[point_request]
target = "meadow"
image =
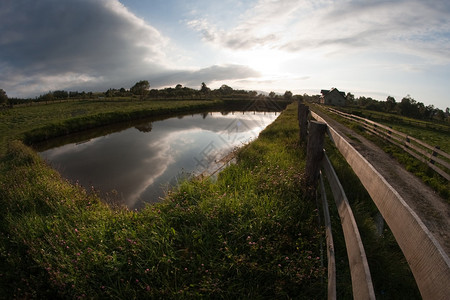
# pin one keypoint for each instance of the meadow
(252, 233)
(40, 121)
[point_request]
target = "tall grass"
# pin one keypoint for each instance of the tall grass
(251, 234)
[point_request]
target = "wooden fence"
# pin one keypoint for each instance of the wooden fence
(417, 148)
(429, 263)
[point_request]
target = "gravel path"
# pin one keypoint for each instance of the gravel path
(427, 204)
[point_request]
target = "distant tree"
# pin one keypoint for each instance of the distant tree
(141, 89)
(408, 107)
(447, 111)
(253, 94)
(3, 97)
(272, 94)
(439, 115)
(204, 89)
(298, 98)
(178, 86)
(288, 95)
(350, 99)
(60, 94)
(390, 103)
(225, 90)
(110, 93)
(48, 97)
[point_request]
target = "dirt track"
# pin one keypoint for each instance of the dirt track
(427, 204)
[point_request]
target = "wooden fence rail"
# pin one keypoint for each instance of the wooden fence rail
(330, 243)
(415, 147)
(362, 286)
(429, 263)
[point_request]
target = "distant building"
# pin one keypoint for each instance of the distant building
(332, 97)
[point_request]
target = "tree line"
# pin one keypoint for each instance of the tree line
(407, 107)
(141, 90)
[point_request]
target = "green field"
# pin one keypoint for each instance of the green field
(432, 133)
(59, 118)
(253, 233)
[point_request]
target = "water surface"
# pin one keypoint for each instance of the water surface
(136, 165)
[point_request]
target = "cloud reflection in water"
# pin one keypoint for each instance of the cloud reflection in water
(137, 163)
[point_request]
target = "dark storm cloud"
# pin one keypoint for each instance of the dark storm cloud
(57, 36)
(84, 45)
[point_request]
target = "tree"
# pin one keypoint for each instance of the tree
(141, 89)
(408, 107)
(3, 97)
(48, 97)
(204, 89)
(288, 95)
(390, 103)
(272, 94)
(253, 94)
(60, 94)
(349, 99)
(225, 90)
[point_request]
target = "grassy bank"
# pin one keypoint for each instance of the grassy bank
(251, 234)
(39, 122)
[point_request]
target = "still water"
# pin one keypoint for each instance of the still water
(137, 165)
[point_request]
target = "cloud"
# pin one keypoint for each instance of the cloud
(72, 42)
(408, 27)
(260, 26)
(86, 45)
(415, 27)
(215, 73)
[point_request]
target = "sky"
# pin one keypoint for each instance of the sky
(374, 48)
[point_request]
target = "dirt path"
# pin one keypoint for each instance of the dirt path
(427, 204)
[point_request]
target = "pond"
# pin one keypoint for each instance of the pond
(137, 165)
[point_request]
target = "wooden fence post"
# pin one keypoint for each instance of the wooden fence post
(434, 154)
(303, 112)
(314, 151)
